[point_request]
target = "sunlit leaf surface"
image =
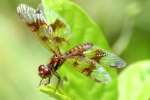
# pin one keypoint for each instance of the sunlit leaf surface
(134, 82)
(83, 30)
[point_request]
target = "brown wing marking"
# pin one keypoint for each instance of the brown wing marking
(57, 25)
(98, 55)
(88, 70)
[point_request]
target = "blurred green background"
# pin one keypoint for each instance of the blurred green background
(125, 24)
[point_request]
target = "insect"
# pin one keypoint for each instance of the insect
(85, 57)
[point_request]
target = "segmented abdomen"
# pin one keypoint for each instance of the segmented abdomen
(78, 50)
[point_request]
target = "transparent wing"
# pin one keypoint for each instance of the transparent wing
(100, 74)
(30, 15)
(93, 61)
(91, 69)
(36, 21)
(52, 35)
(105, 58)
(112, 60)
(26, 13)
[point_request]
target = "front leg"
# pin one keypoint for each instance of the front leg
(41, 82)
(59, 80)
(45, 81)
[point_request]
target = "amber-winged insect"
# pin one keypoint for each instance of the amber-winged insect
(85, 57)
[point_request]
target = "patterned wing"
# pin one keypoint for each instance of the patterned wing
(85, 65)
(100, 74)
(91, 61)
(90, 69)
(31, 17)
(37, 22)
(105, 58)
(48, 33)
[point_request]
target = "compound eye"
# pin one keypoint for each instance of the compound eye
(43, 71)
(42, 67)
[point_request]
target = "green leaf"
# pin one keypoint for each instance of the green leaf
(83, 29)
(134, 82)
(52, 92)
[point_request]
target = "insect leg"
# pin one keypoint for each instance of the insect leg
(59, 80)
(49, 79)
(40, 82)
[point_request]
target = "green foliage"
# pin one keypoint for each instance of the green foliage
(134, 82)
(79, 87)
(82, 27)
(21, 53)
